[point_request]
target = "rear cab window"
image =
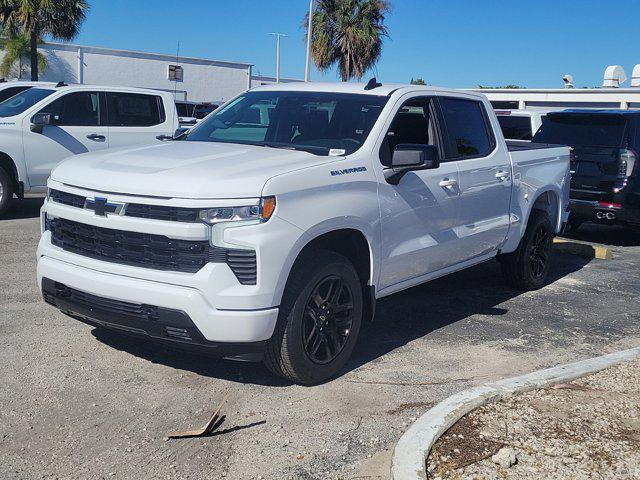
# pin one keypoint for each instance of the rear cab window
(515, 127)
(466, 127)
(134, 110)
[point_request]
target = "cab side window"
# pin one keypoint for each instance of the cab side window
(414, 123)
(467, 128)
(81, 109)
(134, 109)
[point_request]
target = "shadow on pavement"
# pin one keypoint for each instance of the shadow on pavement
(25, 208)
(610, 235)
(400, 319)
(414, 313)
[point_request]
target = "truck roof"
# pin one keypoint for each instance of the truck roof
(359, 88)
(117, 88)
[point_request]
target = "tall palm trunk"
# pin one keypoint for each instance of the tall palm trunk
(33, 53)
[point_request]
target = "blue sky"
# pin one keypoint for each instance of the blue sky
(455, 43)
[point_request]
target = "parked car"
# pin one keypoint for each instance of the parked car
(203, 109)
(520, 124)
(41, 126)
(605, 187)
(271, 229)
(186, 112)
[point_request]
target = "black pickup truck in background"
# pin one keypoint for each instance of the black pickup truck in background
(605, 187)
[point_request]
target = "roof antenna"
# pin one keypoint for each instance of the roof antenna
(373, 83)
(61, 84)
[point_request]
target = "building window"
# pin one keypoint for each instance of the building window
(176, 73)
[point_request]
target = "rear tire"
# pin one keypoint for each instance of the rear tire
(319, 319)
(527, 268)
(6, 191)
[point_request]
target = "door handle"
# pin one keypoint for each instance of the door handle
(96, 137)
(164, 137)
(502, 176)
(447, 183)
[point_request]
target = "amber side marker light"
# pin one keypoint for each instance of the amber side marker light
(267, 207)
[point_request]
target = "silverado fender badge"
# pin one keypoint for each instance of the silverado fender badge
(347, 171)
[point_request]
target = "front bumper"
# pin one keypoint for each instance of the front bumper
(215, 325)
(163, 324)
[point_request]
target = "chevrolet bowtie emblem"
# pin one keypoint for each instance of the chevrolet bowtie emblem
(102, 207)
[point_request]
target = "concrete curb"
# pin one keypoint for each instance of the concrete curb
(583, 249)
(411, 451)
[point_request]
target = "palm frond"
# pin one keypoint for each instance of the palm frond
(349, 34)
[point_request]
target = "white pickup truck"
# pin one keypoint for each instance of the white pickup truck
(270, 229)
(41, 124)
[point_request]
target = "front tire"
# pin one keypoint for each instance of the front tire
(319, 319)
(527, 268)
(6, 190)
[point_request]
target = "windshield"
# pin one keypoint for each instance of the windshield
(22, 101)
(582, 130)
(311, 121)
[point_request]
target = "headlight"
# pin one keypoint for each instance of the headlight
(260, 213)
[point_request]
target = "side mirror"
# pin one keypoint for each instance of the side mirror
(408, 157)
(38, 121)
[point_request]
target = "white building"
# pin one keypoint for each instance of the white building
(195, 79)
(611, 95)
(562, 98)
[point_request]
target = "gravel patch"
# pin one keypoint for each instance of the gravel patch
(585, 429)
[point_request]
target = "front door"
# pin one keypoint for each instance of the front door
(417, 215)
(76, 128)
(485, 177)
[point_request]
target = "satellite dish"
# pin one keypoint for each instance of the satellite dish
(614, 76)
(635, 76)
(568, 81)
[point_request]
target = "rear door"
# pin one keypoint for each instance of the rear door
(77, 127)
(136, 119)
(598, 141)
(485, 181)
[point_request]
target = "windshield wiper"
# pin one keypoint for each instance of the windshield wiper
(303, 148)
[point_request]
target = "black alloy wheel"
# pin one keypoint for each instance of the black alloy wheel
(328, 318)
(539, 252)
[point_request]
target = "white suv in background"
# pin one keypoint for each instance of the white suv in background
(520, 124)
(40, 126)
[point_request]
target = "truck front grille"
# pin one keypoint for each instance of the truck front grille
(129, 248)
(149, 251)
(138, 210)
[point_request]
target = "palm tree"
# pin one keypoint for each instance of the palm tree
(348, 33)
(17, 50)
(61, 19)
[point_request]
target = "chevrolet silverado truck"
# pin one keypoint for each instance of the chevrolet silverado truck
(268, 231)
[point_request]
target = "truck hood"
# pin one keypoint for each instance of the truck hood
(181, 169)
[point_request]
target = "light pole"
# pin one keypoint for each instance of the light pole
(278, 35)
(309, 31)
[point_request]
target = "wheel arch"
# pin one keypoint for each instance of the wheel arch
(548, 201)
(9, 166)
(349, 241)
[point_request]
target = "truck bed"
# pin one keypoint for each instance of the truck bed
(519, 145)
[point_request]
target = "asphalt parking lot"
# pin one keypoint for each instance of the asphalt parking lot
(85, 403)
